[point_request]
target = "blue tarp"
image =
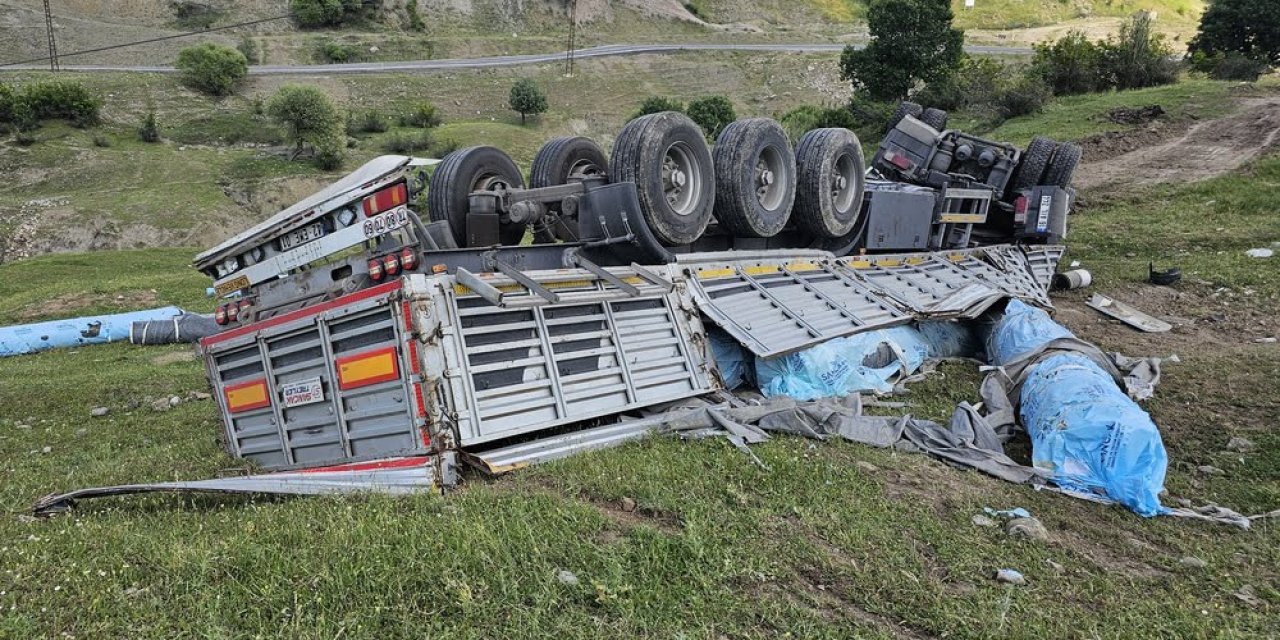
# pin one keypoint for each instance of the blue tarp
(1084, 429)
(55, 334)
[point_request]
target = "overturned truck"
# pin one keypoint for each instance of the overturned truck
(417, 313)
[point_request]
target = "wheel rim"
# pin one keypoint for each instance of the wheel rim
(771, 178)
(844, 183)
(584, 169)
(490, 182)
(681, 179)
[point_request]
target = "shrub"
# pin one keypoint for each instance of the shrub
(212, 68)
(370, 122)
(1138, 57)
(1072, 65)
(336, 52)
(248, 47)
(192, 15)
(1228, 66)
(101, 141)
(307, 114)
(311, 14)
(974, 83)
(329, 153)
(24, 138)
(415, 20)
(806, 118)
(527, 98)
(149, 131)
(1024, 96)
(55, 99)
(408, 143)
(423, 115)
(6, 103)
(712, 113)
(657, 104)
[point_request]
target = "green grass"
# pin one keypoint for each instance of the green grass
(1019, 14)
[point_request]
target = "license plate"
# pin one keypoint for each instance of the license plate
(384, 222)
(231, 286)
(301, 236)
(308, 391)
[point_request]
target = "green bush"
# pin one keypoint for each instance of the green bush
(657, 104)
(101, 141)
(712, 113)
(973, 84)
(806, 118)
(51, 100)
(192, 16)
(212, 68)
(149, 131)
(1138, 57)
(1071, 65)
(308, 116)
(422, 115)
(408, 143)
(310, 14)
(527, 98)
(370, 122)
(1236, 66)
(1022, 97)
(415, 20)
(336, 53)
(249, 48)
(329, 153)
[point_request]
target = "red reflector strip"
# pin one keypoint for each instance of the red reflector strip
(247, 396)
(370, 367)
(393, 196)
(422, 413)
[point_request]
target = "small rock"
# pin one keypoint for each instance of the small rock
(1027, 528)
(46, 450)
(1055, 566)
(22, 426)
(1210, 470)
(1010, 576)
(1247, 596)
(628, 505)
(1131, 255)
(983, 521)
(567, 578)
(1267, 340)
(132, 404)
(866, 467)
(174, 401)
(1239, 444)
(198, 395)
(81, 432)
(1193, 562)
(1260, 253)
(161, 405)
(98, 412)
(1182, 502)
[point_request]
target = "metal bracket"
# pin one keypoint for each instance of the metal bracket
(572, 257)
(652, 278)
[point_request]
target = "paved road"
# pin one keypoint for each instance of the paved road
(510, 61)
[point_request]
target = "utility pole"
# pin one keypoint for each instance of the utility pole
(53, 44)
(573, 29)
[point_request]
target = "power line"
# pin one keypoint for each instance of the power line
(53, 57)
(53, 43)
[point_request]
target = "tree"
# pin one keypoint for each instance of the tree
(309, 117)
(1070, 65)
(1138, 57)
(527, 98)
(325, 13)
(911, 41)
(212, 68)
(1247, 27)
(712, 113)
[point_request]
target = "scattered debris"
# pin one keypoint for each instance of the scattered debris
(1135, 115)
(1193, 562)
(567, 578)
(1011, 576)
(1247, 596)
(1027, 528)
(1240, 444)
(1127, 314)
(174, 401)
(1260, 253)
(46, 450)
(1166, 278)
(1210, 470)
(983, 521)
(161, 405)
(1073, 279)
(198, 395)
(1055, 566)
(99, 412)
(1017, 512)
(1267, 340)
(628, 505)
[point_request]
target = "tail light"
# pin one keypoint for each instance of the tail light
(375, 269)
(244, 309)
(898, 160)
(391, 264)
(233, 312)
(220, 316)
(393, 196)
(1020, 209)
(408, 259)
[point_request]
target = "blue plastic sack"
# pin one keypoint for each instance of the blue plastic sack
(1084, 429)
(731, 359)
(54, 334)
(870, 361)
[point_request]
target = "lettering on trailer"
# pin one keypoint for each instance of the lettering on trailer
(303, 392)
(316, 249)
(1042, 222)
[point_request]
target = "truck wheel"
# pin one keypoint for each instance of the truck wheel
(755, 178)
(1032, 165)
(558, 162)
(936, 118)
(467, 170)
(829, 191)
(667, 158)
(904, 109)
(1063, 165)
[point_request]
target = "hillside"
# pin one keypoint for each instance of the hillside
(455, 28)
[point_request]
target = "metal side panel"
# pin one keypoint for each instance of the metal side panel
(925, 283)
(790, 302)
(597, 352)
(1044, 261)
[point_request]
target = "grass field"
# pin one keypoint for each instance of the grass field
(817, 546)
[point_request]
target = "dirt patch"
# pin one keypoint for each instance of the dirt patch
(1203, 150)
(664, 521)
(66, 305)
(1135, 115)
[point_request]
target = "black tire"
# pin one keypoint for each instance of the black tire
(755, 178)
(646, 151)
(904, 109)
(462, 172)
(830, 185)
(1031, 165)
(559, 161)
(1063, 165)
(936, 118)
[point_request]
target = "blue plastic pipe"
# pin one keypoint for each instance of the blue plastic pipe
(22, 339)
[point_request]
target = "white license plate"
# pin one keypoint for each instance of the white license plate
(301, 236)
(302, 392)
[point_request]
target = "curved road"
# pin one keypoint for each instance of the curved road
(509, 61)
